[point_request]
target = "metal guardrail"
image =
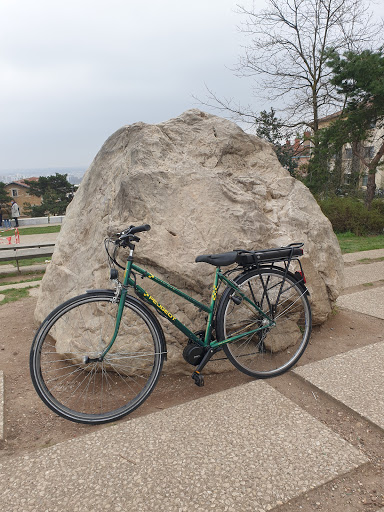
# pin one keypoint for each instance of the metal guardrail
(21, 252)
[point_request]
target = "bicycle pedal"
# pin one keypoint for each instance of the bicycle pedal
(198, 378)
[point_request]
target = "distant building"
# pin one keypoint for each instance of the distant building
(301, 149)
(352, 156)
(18, 190)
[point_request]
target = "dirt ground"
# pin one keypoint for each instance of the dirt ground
(30, 426)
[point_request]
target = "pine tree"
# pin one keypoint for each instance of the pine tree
(359, 78)
(56, 193)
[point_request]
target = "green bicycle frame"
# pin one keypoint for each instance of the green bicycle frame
(149, 299)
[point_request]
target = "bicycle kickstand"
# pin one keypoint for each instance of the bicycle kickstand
(196, 375)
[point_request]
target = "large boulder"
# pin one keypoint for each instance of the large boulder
(205, 186)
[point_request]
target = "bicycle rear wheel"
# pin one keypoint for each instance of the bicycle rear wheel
(96, 391)
(270, 351)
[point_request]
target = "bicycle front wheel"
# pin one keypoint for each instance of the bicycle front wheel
(64, 363)
(270, 351)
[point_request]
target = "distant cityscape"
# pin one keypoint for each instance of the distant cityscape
(74, 174)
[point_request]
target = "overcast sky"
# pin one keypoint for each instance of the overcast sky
(73, 72)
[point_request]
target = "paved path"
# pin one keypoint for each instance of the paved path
(26, 240)
(244, 449)
(27, 284)
(356, 378)
(370, 276)
(35, 239)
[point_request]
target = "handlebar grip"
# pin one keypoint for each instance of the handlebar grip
(138, 229)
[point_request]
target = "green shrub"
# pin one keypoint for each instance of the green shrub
(378, 205)
(348, 214)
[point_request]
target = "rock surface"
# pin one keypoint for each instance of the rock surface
(204, 186)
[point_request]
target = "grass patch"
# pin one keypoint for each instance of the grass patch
(15, 294)
(36, 230)
(353, 243)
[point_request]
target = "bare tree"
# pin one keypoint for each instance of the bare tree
(287, 51)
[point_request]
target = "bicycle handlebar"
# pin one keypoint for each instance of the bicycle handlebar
(139, 229)
(128, 235)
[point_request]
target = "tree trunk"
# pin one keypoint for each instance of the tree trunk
(371, 185)
(315, 113)
(338, 174)
(355, 165)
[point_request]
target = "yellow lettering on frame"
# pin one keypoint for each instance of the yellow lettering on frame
(162, 308)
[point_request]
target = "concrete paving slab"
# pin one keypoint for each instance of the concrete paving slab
(1, 404)
(355, 378)
(356, 256)
(10, 269)
(20, 285)
(7, 268)
(369, 302)
(248, 449)
(361, 274)
(39, 238)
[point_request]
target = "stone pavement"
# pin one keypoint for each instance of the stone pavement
(364, 269)
(245, 449)
(356, 378)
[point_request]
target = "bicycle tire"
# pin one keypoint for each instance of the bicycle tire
(96, 392)
(270, 351)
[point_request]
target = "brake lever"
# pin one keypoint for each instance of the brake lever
(125, 240)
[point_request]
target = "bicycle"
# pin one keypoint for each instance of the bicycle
(99, 355)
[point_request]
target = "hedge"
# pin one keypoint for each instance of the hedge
(349, 214)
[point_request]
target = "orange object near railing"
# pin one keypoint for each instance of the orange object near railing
(8, 239)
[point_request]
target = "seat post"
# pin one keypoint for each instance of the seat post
(208, 331)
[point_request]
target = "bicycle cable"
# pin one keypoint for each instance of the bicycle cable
(112, 261)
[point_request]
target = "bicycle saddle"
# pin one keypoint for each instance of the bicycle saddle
(219, 260)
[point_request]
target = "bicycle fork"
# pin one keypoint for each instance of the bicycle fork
(121, 291)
